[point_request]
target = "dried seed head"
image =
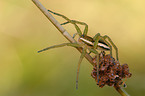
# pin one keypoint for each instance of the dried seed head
(110, 71)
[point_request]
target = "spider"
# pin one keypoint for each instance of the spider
(92, 44)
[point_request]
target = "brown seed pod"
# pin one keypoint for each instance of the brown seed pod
(110, 71)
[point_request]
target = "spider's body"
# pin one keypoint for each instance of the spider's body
(86, 42)
(90, 42)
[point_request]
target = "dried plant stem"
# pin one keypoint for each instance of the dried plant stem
(121, 91)
(69, 37)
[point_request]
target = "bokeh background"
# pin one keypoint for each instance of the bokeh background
(24, 30)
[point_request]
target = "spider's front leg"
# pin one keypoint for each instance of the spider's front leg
(74, 22)
(68, 21)
(78, 22)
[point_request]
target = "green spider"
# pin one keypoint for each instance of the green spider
(86, 42)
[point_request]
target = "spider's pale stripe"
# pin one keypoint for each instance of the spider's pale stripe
(91, 43)
(87, 41)
(104, 46)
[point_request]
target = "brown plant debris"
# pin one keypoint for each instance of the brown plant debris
(110, 71)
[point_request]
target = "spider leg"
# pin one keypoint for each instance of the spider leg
(60, 45)
(79, 63)
(81, 23)
(69, 21)
(97, 54)
(64, 23)
(98, 37)
(116, 49)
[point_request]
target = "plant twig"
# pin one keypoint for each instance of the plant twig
(69, 38)
(121, 91)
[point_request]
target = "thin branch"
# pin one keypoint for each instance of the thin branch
(121, 91)
(69, 38)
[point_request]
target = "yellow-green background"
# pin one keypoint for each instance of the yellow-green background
(24, 30)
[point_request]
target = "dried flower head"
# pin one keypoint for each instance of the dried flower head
(110, 71)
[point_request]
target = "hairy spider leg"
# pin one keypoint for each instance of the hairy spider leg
(81, 23)
(60, 45)
(97, 54)
(80, 60)
(96, 38)
(116, 49)
(68, 20)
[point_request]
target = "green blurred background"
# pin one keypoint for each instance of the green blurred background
(24, 30)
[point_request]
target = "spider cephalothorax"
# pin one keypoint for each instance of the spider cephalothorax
(86, 42)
